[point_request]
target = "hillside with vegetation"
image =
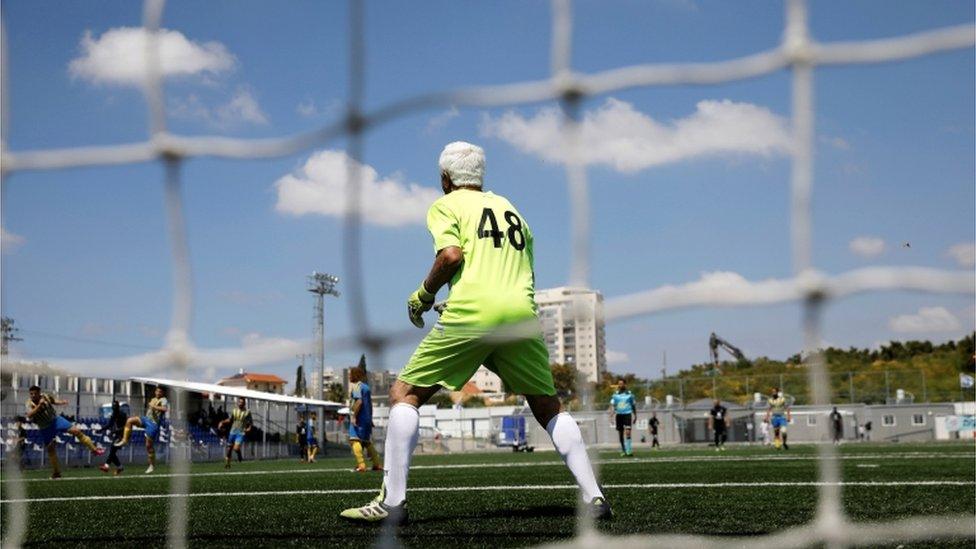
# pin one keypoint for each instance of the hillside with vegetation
(926, 372)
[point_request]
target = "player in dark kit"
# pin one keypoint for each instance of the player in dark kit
(116, 425)
(837, 422)
(718, 421)
(652, 425)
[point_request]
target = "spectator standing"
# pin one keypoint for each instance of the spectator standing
(116, 428)
(837, 422)
(302, 431)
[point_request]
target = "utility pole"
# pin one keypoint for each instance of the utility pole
(9, 333)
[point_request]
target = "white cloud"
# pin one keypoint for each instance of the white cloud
(867, 246)
(964, 253)
(928, 319)
(441, 120)
(617, 357)
(307, 108)
(319, 187)
(117, 57)
(619, 136)
(9, 241)
(241, 108)
(190, 108)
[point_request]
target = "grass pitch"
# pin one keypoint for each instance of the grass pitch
(500, 499)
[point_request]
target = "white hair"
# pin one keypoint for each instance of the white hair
(464, 162)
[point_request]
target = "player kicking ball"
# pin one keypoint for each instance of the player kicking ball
(361, 419)
(151, 423)
(484, 250)
(779, 416)
(40, 410)
(240, 424)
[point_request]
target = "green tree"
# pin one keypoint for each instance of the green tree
(564, 377)
(335, 393)
(442, 399)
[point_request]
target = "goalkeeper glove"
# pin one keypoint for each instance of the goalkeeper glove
(418, 303)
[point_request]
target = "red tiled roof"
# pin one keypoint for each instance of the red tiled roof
(250, 377)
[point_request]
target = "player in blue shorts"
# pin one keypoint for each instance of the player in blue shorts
(361, 419)
(40, 411)
(151, 423)
(624, 409)
(240, 424)
(311, 442)
(779, 416)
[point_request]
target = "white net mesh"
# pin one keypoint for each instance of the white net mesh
(797, 52)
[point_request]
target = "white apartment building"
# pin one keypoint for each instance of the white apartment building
(315, 384)
(573, 329)
(487, 381)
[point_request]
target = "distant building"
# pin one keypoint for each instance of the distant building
(487, 381)
(331, 376)
(379, 383)
(267, 383)
(573, 329)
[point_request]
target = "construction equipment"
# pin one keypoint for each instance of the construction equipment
(714, 342)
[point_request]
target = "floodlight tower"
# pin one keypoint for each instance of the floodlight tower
(321, 284)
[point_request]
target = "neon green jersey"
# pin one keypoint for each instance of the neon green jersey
(777, 405)
(495, 284)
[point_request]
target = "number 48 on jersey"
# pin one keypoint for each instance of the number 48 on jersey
(488, 228)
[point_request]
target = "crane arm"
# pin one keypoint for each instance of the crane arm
(714, 342)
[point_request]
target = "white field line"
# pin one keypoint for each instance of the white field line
(528, 487)
(621, 461)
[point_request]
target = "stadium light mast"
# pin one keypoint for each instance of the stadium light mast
(321, 284)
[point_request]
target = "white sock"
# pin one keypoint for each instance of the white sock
(401, 438)
(568, 440)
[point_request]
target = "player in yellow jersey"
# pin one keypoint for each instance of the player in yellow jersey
(779, 416)
(151, 422)
(240, 424)
(40, 411)
(484, 250)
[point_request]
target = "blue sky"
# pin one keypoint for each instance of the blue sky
(685, 181)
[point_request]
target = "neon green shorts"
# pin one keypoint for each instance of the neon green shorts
(449, 358)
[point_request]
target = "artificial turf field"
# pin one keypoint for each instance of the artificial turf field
(682, 490)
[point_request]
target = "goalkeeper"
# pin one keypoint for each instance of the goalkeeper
(483, 249)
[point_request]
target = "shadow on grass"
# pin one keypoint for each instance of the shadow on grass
(545, 511)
